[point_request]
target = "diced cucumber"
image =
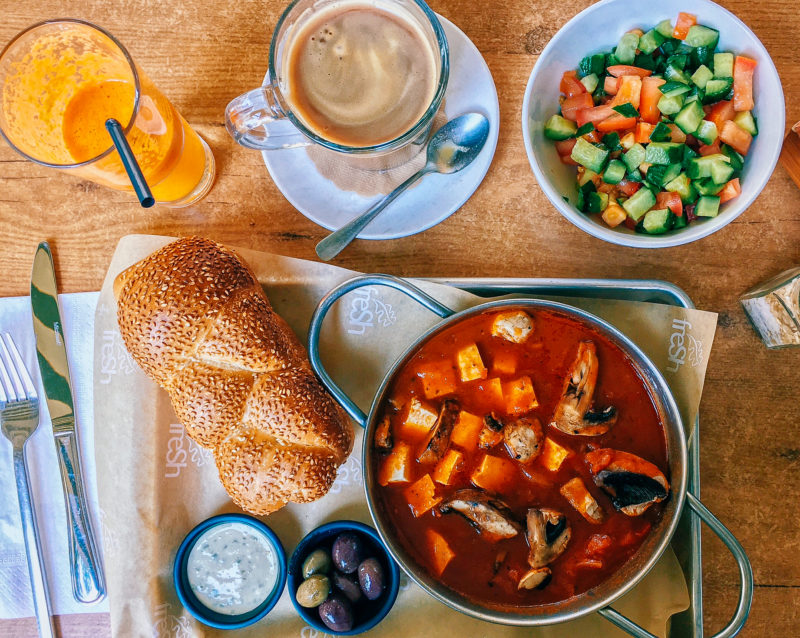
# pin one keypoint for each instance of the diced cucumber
(737, 161)
(702, 56)
(700, 36)
(650, 41)
(707, 206)
(723, 65)
(611, 141)
(746, 120)
(559, 128)
(707, 186)
(702, 75)
(700, 167)
(634, 176)
(695, 95)
(688, 154)
(721, 172)
(639, 203)
(717, 89)
(614, 172)
(683, 186)
(661, 133)
(660, 174)
(690, 117)
(588, 155)
(663, 153)
(673, 74)
(644, 61)
(673, 89)
(610, 60)
(670, 105)
(678, 61)
(706, 132)
(665, 29)
(626, 49)
(634, 157)
(585, 177)
(657, 222)
(669, 47)
(592, 64)
(590, 82)
(596, 202)
(679, 222)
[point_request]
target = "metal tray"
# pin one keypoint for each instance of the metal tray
(686, 542)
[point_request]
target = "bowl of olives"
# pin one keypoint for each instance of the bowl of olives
(341, 579)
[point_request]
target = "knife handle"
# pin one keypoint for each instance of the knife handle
(88, 581)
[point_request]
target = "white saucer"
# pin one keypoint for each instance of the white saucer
(470, 89)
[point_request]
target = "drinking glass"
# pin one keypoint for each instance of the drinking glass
(60, 80)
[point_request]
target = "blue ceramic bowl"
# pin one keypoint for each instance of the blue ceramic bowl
(203, 613)
(367, 613)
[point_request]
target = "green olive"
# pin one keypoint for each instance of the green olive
(313, 590)
(317, 562)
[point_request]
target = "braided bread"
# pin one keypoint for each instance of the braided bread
(197, 321)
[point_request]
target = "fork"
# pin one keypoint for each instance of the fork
(19, 418)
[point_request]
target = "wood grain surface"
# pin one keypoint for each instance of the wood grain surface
(203, 53)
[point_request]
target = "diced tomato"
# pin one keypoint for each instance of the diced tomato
(571, 85)
(628, 187)
(720, 113)
(736, 137)
(567, 159)
(615, 123)
(598, 543)
(611, 85)
(710, 149)
(685, 21)
(594, 114)
(618, 70)
(593, 136)
(732, 189)
(564, 147)
(643, 131)
(630, 91)
(671, 201)
(630, 223)
(572, 105)
(676, 134)
(743, 69)
(648, 104)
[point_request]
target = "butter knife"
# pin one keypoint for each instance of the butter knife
(88, 582)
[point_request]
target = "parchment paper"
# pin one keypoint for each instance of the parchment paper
(155, 484)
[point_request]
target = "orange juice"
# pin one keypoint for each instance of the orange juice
(59, 83)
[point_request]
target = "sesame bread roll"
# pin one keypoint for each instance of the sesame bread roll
(197, 321)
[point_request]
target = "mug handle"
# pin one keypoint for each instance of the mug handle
(739, 618)
(325, 304)
(256, 120)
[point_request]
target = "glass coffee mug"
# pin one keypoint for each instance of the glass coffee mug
(59, 82)
(359, 78)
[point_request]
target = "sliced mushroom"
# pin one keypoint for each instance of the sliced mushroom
(383, 434)
(536, 578)
(633, 483)
(439, 438)
(548, 535)
(574, 413)
(487, 514)
(524, 438)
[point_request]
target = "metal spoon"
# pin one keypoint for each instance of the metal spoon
(451, 148)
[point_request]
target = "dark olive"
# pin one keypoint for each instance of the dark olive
(347, 584)
(370, 577)
(347, 551)
(336, 613)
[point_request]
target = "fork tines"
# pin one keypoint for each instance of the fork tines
(15, 382)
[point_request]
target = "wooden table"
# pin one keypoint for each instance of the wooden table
(203, 53)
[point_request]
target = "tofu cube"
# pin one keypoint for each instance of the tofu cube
(519, 396)
(494, 474)
(396, 467)
(446, 469)
(553, 455)
(421, 418)
(439, 551)
(515, 326)
(466, 431)
(438, 378)
(421, 496)
(580, 498)
(470, 364)
(492, 391)
(504, 362)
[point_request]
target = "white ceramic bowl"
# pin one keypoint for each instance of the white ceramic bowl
(599, 28)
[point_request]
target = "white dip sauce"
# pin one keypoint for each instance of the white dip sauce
(232, 568)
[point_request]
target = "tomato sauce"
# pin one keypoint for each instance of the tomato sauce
(487, 571)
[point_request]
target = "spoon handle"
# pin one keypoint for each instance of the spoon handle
(338, 240)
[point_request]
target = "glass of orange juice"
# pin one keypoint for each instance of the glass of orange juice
(60, 80)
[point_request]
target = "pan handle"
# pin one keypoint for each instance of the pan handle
(334, 295)
(736, 623)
